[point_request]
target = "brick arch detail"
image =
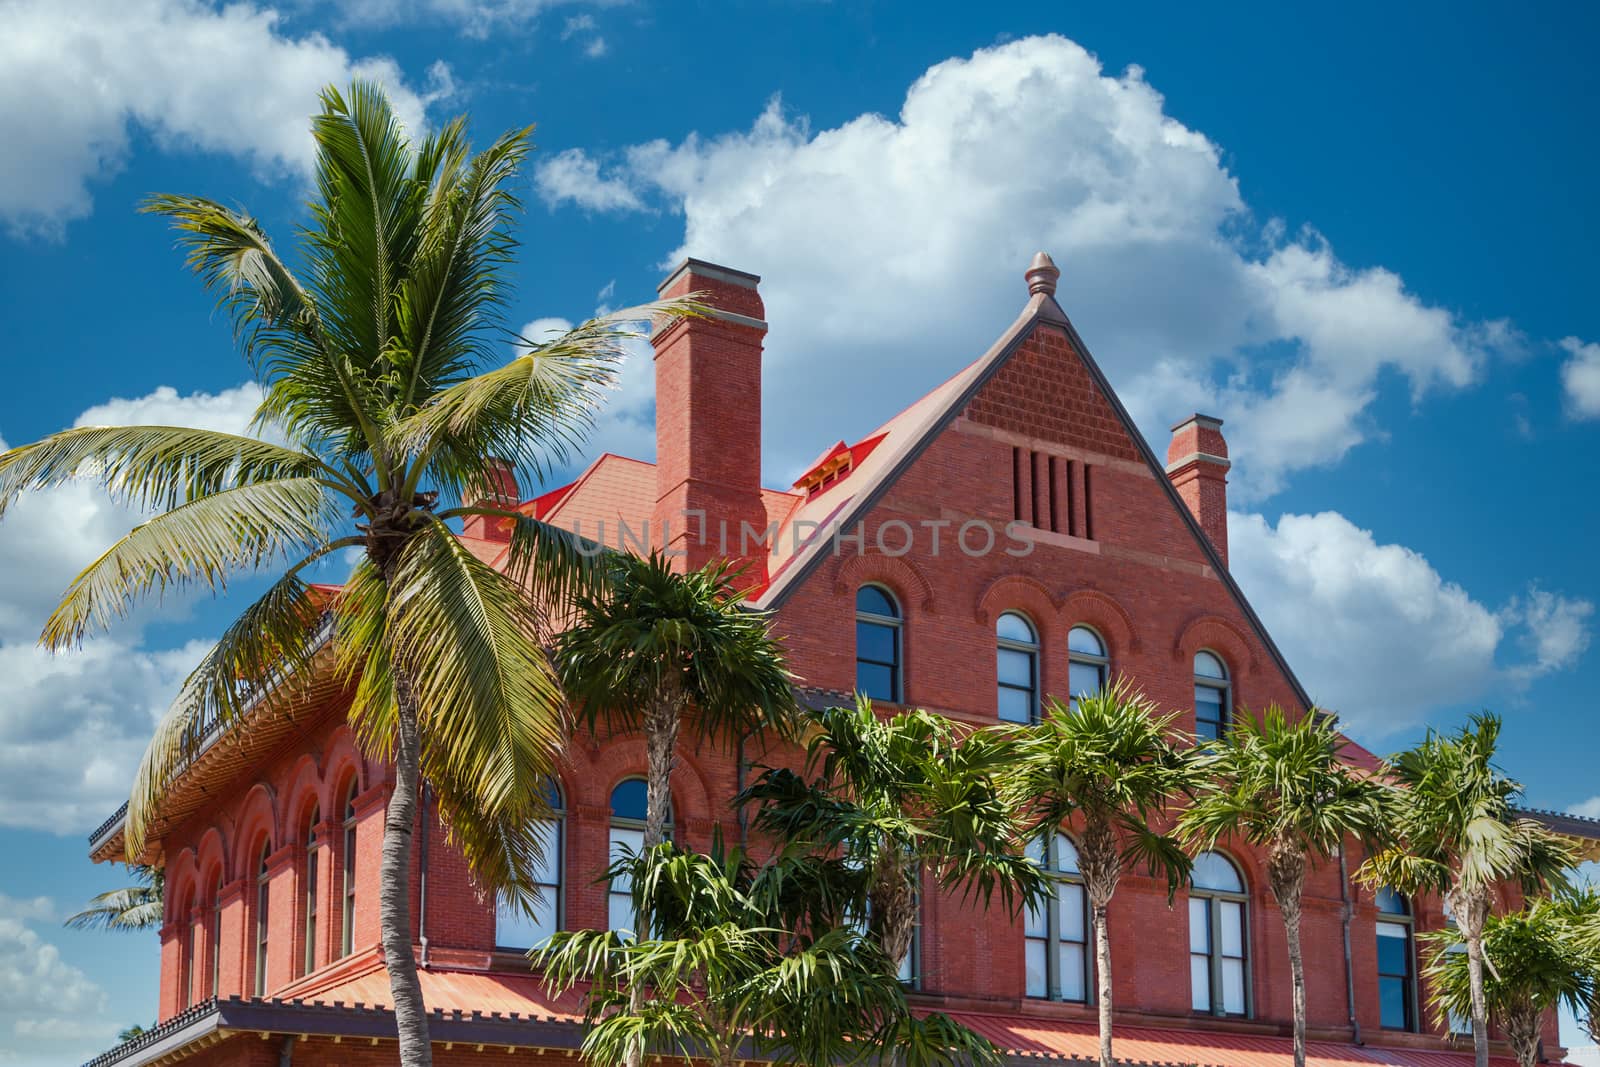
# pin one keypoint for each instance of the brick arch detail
(625, 758)
(1216, 632)
(182, 887)
(1101, 611)
(901, 575)
(305, 790)
(1016, 592)
(212, 859)
(258, 821)
(342, 760)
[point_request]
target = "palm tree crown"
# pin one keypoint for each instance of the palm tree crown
(134, 907)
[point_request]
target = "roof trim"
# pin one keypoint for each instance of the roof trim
(1043, 308)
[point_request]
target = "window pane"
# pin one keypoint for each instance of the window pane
(515, 930)
(1200, 983)
(628, 799)
(1392, 995)
(1213, 871)
(1232, 927)
(634, 842)
(621, 917)
(1035, 957)
(1392, 903)
(1233, 987)
(1208, 730)
(877, 682)
(907, 972)
(1033, 923)
(1208, 666)
(1208, 710)
(1066, 855)
(1014, 668)
(1392, 955)
(1074, 985)
(876, 643)
(1199, 925)
(872, 599)
(548, 833)
(1084, 679)
(1016, 705)
(1014, 627)
(1083, 639)
(1070, 899)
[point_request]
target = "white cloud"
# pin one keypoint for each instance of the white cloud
(72, 726)
(50, 1007)
(626, 424)
(1589, 808)
(191, 76)
(1377, 635)
(33, 909)
(473, 18)
(595, 48)
(1580, 378)
(891, 250)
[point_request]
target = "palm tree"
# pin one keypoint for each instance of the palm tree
(1281, 787)
(1456, 833)
(653, 644)
(134, 907)
(735, 964)
(128, 1033)
(895, 799)
(384, 390)
(1535, 962)
(1111, 764)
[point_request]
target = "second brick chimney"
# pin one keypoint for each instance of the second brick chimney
(501, 493)
(1197, 466)
(708, 418)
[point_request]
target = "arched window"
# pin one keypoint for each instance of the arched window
(1397, 988)
(1087, 663)
(216, 937)
(1057, 938)
(628, 806)
(1017, 669)
(1219, 965)
(309, 962)
(516, 930)
(190, 959)
(263, 891)
(1213, 697)
(347, 918)
(878, 631)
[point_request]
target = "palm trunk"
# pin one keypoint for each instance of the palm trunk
(1480, 1012)
(660, 744)
(1521, 1026)
(394, 884)
(1286, 874)
(1102, 974)
(894, 907)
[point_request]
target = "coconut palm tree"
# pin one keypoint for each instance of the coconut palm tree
(133, 907)
(896, 799)
(1456, 833)
(1535, 961)
(380, 356)
(1280, 786)
(652, 644)
(1110, 765)
(736, 967)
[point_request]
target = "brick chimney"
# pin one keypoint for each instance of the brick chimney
(708, 418)
(499, 491)
(1197, 466)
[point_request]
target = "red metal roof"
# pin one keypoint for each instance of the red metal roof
(482, 992)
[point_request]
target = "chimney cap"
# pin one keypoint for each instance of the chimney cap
(1042, 274)
(1205, 422)
(707, 269)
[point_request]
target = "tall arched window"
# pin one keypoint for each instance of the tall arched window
(309, 962)
(1057, 937)
(263, 895)
(628, 806)
(1087, 663)
(516, 930)
(347, 918)
(190, 959)
(1219, 964)
(1213, 697)
(1016, 669)
(878, 633)
(216, 937)
(1397, 987)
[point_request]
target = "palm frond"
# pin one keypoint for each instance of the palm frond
(133, 907)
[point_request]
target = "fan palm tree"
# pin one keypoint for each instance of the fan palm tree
(735, 966)
(1111, 764)
(652, 644)
(1280, 786)
(384, 389)
(896, 799)
(1456, 833)
(1536, 961)
(133, 907)
(128, 1033)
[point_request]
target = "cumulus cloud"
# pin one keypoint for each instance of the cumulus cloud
(189, 75)
(1378, 635)
(891, 249)
(473, 18)
(1580, 378)
(73, 725)
(47, 1006)
(1589, 808)
(33, 909)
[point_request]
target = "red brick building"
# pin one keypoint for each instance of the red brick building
(1008, 536)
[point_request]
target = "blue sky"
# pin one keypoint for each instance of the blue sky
(1361, 235)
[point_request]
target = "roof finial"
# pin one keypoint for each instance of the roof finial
(1042, 274)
